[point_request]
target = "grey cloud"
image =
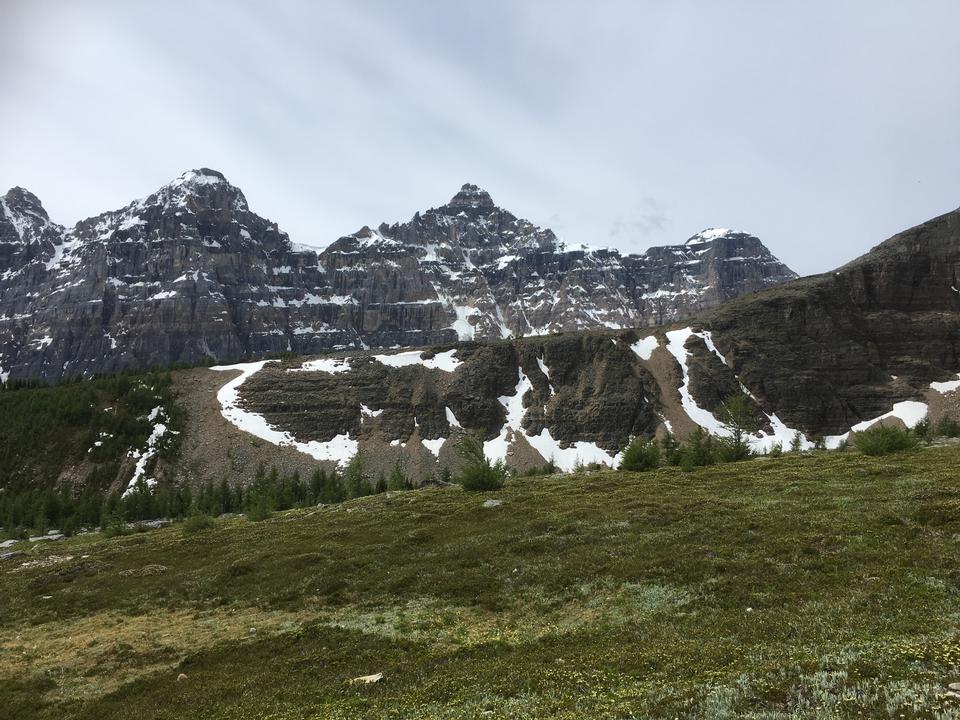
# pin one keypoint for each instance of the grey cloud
(648, 219)
(822, 127)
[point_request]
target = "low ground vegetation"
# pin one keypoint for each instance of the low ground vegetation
(817, 585)
(33, 511)
(702, 448)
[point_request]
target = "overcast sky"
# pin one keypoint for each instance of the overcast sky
(821, 127)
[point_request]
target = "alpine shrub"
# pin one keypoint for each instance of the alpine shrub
(477, 473)
(883, 440)
(196, 523)
(640, 455)
(948, 427)
(698, 450)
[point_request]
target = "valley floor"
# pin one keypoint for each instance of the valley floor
(819, 586)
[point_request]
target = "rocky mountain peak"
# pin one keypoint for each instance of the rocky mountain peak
(26, 233)
(23, 218)
(201, 187)
(470, 198)
(22, 200)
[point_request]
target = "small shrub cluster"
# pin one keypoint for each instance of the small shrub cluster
(948, 427)
(882, 440)
(700, 449)
(549, 469)
(640, 455)
(197, 522)
(476, 472)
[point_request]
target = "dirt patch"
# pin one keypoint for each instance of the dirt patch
(213, 448)
(941, 406)
(666, 372)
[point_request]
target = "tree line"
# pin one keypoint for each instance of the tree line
(39, 509)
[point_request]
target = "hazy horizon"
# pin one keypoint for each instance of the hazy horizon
(615, 124)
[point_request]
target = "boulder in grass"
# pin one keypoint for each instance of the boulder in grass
(367, 679)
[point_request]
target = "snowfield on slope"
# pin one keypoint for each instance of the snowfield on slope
(910, 412)
(565, 458)
(144, 456)
(945, 387)
(445, 361)
(760, 442)
(644, 347)
(340, 449)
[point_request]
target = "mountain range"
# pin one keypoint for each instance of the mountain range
(815, 358)
(394, 341)
(190, 275)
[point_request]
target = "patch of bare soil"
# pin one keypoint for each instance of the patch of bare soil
(213, 448)
(666, 372)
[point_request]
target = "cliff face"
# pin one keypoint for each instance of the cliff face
(878, 338)
(191, 273)
(828, 351)
(821, 356)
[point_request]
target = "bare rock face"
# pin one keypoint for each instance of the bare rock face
(27, 237)
(828, 351)
(190, 273)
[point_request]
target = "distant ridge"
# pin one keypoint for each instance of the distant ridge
(191, 273)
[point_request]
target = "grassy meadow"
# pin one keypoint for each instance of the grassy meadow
(818, 586)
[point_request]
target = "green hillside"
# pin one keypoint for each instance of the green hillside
(64, 447)
(810, 587)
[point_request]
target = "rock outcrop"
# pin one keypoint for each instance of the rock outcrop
(190, 273)
(571, 398)
(828, 351)
(819, 356)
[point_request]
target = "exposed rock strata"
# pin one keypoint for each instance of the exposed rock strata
(190, 273)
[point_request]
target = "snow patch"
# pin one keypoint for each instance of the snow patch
(496, 449)
(546, 371)
(708, 234)
(910, 412)
(451, 418)
(708, 341)
(760, 442)
(367, 412)
(441, 361)
(144, 456)
(644, 347)
(676, 340)
(566, 459)
(434, 445)
(327, 365)
(945, 387)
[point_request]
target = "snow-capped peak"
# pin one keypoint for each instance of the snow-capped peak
(203, 176)
(708, 235)
(198, 182)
